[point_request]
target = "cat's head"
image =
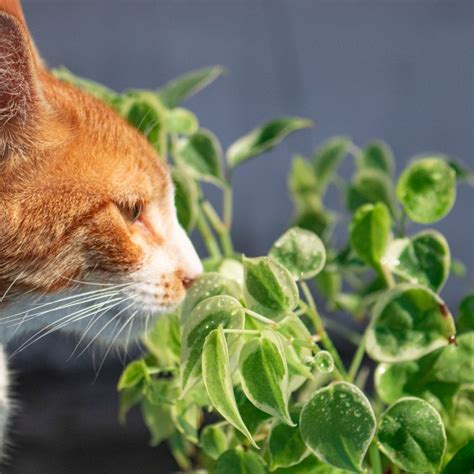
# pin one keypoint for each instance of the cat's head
(85, 203)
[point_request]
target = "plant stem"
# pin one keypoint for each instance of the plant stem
(221, 230)
(259, 317)
(375, 460)
(387, 275)
(227, 206)
(395, 469)
(352, 336)
(357, 359)
(321, 331)
(241, 331)
(207, 236)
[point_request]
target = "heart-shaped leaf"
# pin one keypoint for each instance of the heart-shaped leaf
(370, 232)
(263, 139)
(337, 423)
(264, 375)
(315, 218)
(206, 316)
(301, 252)
(327, 158)
(309, 465)
(408, 322)
(377, 155)
(411, 434)
(209, 284)
(218, 380)
(201, 153)
(238, 461)
(269, 287)
(179, 89)
(427, 189)
(158, 420)
(186, 197)
(423, 259)
(133, 374)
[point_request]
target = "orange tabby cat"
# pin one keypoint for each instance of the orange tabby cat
(86, 209)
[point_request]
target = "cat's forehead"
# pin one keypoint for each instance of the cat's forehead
(97, 147)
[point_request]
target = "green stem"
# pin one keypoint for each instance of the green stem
(259, 317)
(207, 236)
(321, 331)
(387, 275)
(351, 336)
(242, 331)
(220, 228)
(395, 469)
(227, 206)
(357, 359)
(375, 460)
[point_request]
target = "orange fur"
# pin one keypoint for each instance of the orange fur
(68, 164)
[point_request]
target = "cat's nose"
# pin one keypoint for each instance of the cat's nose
(188, 282)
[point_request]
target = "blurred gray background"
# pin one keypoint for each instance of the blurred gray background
(398, 70)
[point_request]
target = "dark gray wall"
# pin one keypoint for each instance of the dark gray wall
(397, 70)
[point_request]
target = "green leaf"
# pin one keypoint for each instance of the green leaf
(94, 88)
(327, 159)
(431, 377)
(377, 155)
(310, 465)
(465, 321)
(218, 380)
(427, 189)
(208, 284)
(329, 285)
(263, 139)
(285, 445)
(338, 424)
(213, 441)
(460, 425)
(238, 461)
(369, 187)
(181, 121)
(269, 287)
(264, 375)
(411, 434)
(232, 269)
(312, 216)
(462, 172)
(302, 180)
(201, 153)
(301, 252)
(424, 258)
(206, 316)
(179, 89)
(370, 232)
(164, 340)
(186, 198)
(463, 460)
(133, 374)
(252, 416)
(158, 420)
(187, 417)
(408, 322)
(147, 115)
(129, 397)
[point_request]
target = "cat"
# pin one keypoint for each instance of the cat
(89, 236)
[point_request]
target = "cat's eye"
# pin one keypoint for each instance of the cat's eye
(133, 212)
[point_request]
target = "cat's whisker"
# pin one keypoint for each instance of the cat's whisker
(70, 318)
(94, 319)
(129, 321)
(12, 284)
(105, 326)
(28, 317)
(100, 293)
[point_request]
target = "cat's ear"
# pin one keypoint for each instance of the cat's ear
(20, 90)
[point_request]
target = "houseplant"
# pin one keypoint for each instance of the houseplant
(244, 377)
